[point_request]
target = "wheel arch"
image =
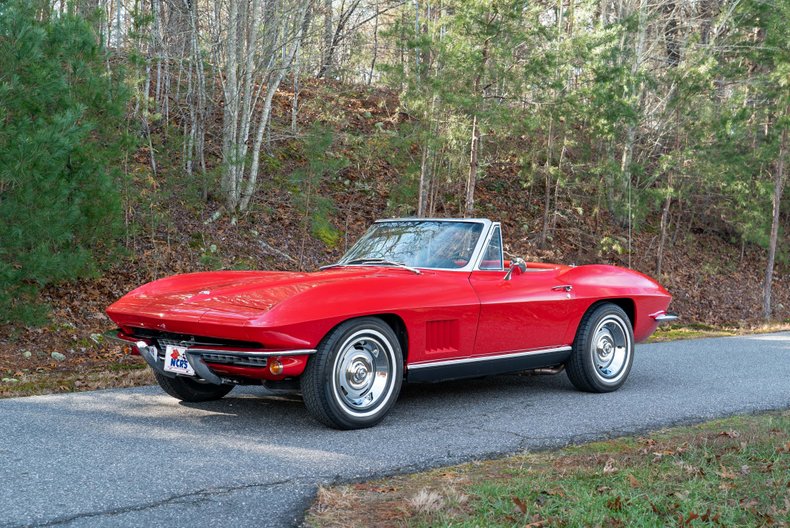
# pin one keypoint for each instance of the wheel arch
(401, 332)
(627, 304)
(394, 321)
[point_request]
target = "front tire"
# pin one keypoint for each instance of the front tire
(355, 376)
(603, 350)
(189, 390)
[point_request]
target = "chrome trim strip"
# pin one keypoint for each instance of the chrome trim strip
(446, 362)
(488, 239)
(665, 318)
(251, 353)
(202, 370)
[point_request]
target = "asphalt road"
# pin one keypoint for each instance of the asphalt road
(136, 457)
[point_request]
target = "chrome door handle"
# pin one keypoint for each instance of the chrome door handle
(564, 287)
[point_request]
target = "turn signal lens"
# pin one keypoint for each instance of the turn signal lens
(275, 367)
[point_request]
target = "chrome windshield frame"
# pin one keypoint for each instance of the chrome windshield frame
(491, 231)
(485, 233)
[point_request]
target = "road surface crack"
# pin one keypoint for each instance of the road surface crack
(203, 495)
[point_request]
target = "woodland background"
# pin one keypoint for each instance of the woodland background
(140, 138)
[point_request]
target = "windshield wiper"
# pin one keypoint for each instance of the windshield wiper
(371, 261)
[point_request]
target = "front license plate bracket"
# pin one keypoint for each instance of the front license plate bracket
(177, 361)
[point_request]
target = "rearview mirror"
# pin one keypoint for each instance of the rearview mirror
(516, 263)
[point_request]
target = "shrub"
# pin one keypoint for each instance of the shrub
(61, 120)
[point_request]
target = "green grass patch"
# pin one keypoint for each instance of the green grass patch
(123, 367)
(699, 330)
(691, 331)
(731, 472)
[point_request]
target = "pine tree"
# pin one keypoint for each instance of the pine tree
(60, 118)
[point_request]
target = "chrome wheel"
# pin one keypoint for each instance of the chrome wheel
(603, 350)
(354, 378)
(363, 370)
(611, 348)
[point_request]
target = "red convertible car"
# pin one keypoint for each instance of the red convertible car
(412, 300)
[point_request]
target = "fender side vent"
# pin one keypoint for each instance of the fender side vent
(441, 337)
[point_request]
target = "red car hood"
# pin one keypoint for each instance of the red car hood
(235, 295)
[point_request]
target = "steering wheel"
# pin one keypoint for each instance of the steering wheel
(452, 262)
(459, 260)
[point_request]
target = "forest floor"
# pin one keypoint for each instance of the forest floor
(716, 285)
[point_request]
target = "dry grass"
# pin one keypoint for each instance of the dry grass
(732, 472)
(426, 502)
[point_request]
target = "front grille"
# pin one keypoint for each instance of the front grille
(212, 357)
(234, 360)
(173, 342)
(242, 358)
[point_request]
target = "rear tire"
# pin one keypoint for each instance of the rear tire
(189, 390)
(355, 377)
(603, 350)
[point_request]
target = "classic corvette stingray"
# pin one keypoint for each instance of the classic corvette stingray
(412, 300)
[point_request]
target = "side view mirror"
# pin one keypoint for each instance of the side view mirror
(516, 263)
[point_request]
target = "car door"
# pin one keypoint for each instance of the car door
(528, 311)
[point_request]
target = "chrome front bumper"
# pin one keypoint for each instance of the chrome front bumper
(664, 317)
(197, 355)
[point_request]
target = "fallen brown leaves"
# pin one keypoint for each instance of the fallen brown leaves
(83, 380)
(700, 282)
(692, 516)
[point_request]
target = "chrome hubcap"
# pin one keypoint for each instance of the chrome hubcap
(611, 348)
(363, 377)
(359, 372)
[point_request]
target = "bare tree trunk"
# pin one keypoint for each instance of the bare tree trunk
(425, 179)
(630, 138)
(326, 46)
(474, 147)
(426, 174)
(301, 22)
(375, 49)
(557, 182)
(144, 115)
(416, 34)
(626, 183)
(335, 37)
(779, 178)
(663, 236)
(469, 206)
(547, 176)
(295, 98)
(196, 98)
(261, 47)
(156, 41)
(118, 34)
(231, 108)
(297, 70)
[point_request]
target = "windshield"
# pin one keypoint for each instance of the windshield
(418, 243)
